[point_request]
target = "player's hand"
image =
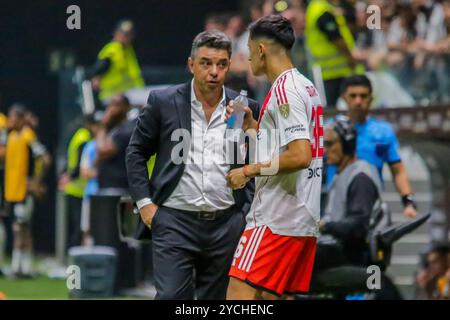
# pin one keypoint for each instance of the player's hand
(249, 122)
(237, 179)
(147, 214)
(410, 212)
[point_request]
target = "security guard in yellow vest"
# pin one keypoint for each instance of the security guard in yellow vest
(117, 68)
(74, 188)
(330, 44)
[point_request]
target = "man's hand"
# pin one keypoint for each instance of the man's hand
(63, 181)
(147, 213)
(237, 179)
(249, 122)
(322, 224)
(410, 212)
(36, 188)
(95, 83)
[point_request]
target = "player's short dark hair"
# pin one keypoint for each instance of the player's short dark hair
(19, 109)
(211, 39)
(356, 80)
(274, 27)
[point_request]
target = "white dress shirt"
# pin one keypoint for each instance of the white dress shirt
(203, 185)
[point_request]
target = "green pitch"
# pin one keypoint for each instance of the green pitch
(40, 288)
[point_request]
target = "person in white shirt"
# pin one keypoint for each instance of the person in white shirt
(275, 255)
(195, 218)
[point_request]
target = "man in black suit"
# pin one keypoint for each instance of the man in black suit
(194, 217)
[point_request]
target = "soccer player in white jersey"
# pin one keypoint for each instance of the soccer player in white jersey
(276, 252)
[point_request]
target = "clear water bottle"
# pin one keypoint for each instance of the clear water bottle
(234, 123)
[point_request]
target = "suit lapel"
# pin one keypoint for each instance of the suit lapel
(183, 106)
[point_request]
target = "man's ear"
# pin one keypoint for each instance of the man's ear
(371, 101)
(261, 49)
(190, 63)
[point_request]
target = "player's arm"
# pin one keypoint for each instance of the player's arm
(293, 126)
(42, 162)
(400, 177)
(403, 186)
(296, 157)
(401, 180)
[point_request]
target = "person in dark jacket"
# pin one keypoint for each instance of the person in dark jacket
(195, 218)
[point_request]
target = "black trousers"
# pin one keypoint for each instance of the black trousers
(74, 220)
(192, 257)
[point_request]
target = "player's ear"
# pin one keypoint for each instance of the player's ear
(262, 49)
(190, 63)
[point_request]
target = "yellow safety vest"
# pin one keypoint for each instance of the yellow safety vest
(124, 72)
(323, 51)
(76, 186)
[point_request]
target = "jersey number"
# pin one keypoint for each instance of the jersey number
(317, 132)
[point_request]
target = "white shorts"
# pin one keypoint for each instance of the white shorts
(22, 211)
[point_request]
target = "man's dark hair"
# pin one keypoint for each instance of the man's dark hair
(347, 134)
(19, 109)
(274, 27)
(356, 80)
(441, 249)
(211, 39)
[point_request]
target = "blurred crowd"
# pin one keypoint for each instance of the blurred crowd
(407, 39)
(433, 278)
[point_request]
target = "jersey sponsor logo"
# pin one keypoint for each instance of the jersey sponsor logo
(314, 173)
(284, 110)
(296, 128)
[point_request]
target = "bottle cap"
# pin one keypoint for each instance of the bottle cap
(243, 93)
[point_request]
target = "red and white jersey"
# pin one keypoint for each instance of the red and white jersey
(289, 204)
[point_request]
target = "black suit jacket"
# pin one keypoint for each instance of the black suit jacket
(166, 111)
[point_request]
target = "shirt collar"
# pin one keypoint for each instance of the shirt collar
(282, 74)
(195, 101)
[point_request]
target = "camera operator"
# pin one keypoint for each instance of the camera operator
(354, 193)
